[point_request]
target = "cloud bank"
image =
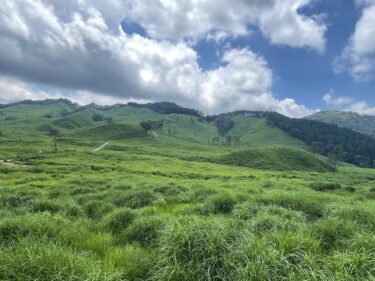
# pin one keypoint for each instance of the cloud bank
(79, 49)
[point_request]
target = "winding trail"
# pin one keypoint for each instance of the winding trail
(155, 134)
(101, 147)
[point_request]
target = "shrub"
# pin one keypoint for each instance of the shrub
(201, 194)
(311, 204)
(220, 204)
(46, 206)
(96, 209)
(194, 249)
(350, 189)
(247, 210)
(321, 186)
(135, 199)
(334, 233)
(97, 117)
(34, 260)
(145, 230)
(275, 218)
(119, 220)
(170, 189)
(134, 262)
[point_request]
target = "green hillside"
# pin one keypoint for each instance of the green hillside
(36, 119)
(361, 123)
(115, 203)
(110, 132)
(255, 132)
(280, 159)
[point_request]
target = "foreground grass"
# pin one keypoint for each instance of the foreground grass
(144, 210)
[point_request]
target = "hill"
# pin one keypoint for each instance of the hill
(279, 159)
(245, 129)
(361, 123)
(359, 148)
(111, 132)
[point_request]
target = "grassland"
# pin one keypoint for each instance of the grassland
(147, 208)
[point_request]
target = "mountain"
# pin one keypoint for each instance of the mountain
(32, 120)
(361, 123)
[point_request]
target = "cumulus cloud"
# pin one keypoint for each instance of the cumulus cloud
(280, 21)
(358, 57)
(76, 46)
(361, 108)
(13, 90)
(330, 99)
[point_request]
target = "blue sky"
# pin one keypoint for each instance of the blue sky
(294, 57)
(303, 74)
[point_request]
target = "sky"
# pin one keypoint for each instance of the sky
(295, 57)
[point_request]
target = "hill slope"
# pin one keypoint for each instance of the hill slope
(361, 123)
(280, 159)
(255, 132)
(111, 132)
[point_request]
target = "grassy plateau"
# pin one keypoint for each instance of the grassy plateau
(170, 205)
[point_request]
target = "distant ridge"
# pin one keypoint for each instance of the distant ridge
(361, 123)
(42, 102)
(167, 108)
(159, 107)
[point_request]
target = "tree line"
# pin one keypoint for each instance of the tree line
(325, 139)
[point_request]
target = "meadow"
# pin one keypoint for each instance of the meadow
(159, 209)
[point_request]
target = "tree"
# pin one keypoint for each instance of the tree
(237, 140)
(316, 147)
(228, 141)
(97, 118)
(216, 140)
(335, 156)
(54, 133)
(145, 126)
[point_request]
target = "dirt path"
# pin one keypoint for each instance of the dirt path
(101, 147)
(9, 163)
(155, 134)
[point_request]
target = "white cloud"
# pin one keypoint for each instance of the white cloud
(330, 99)
(361, 108)
(358, 57)
(74, 47)
(279, 20)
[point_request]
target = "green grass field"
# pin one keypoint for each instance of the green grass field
(177, 208)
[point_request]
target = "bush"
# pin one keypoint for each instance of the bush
(170, 189)
(247, 210)
(145, 230)
(97, 118)
(311, 204)
(195, 249)
(274, 218)
(135, 199)
(334, 233)
(350, 189)
(220, 204)
(135, 262)
(96, 209)
(34, 260)
(321, 186)
(46, 206)
(119, 220)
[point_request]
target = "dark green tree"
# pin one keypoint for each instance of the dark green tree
(316, 147)
(97, 117)
(145, 126)
(335, 156)
(54, 133)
